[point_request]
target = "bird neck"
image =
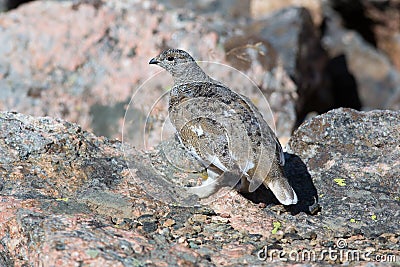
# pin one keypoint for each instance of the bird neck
(190, 73)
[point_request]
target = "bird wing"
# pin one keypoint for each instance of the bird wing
(265, 128)
(199, 136)
(208, 142)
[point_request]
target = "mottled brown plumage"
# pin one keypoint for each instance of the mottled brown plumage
(223, 129)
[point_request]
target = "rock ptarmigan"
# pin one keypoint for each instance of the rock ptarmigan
(223, 129)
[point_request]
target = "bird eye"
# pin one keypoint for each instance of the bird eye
(170, 58)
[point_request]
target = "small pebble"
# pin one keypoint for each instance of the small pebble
(199, 218)
(219, 219)
(169, 223)
(225, 215)
(197, 228)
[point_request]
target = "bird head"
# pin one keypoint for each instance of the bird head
(181, 66)
(175, 61)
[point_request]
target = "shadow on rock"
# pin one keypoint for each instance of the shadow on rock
(300, 179)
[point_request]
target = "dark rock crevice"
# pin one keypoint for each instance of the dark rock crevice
(12, 4)
(343, 83)
(354, 16)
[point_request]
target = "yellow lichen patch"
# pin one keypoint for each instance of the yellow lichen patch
(340, 181)
(277, 226)
(373, 217)
(352, 220)
(93, 253)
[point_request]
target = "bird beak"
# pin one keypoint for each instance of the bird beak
(154, 61)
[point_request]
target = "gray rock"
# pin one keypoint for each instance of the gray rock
(378, 22)
(229, 10)
(90, 204)
(101, 66)
(3, 6)
(353, 158)
(377, 79)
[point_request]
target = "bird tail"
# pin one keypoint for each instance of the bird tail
(214, 182)
(205, 190)
(283, 191)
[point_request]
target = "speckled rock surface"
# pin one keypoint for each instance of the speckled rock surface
(88, 75)
(69, 197)
(353, 158)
